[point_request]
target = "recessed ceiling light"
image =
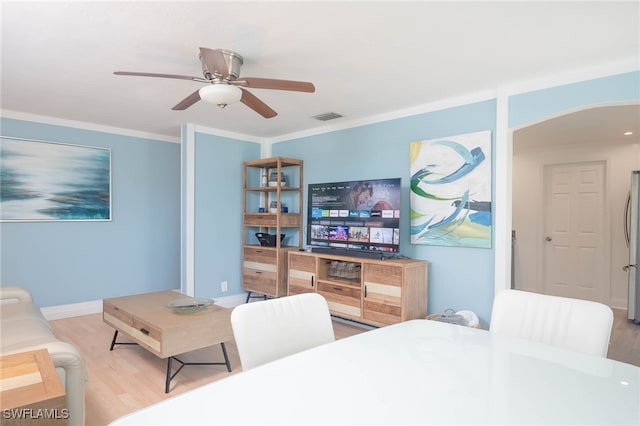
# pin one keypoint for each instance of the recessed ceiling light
(628, 133)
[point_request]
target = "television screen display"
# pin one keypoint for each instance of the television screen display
(355, 215)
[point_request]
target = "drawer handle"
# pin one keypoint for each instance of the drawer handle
(312, 277)
(144, 331)
(365, 291)
(258, 272)
(337, 288)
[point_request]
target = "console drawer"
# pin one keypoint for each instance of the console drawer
(259, 281)
(259, 265)
(290, 220)
(381, 312)
(341, 291)
(342, 300)
(260, 219)
(253, 274)
(389, 275)
(260, 255)
(302, 262)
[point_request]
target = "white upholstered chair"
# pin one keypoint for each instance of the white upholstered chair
(267, 330)
(579, 325)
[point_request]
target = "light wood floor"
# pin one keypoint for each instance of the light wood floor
(129, 377)
(625, 339)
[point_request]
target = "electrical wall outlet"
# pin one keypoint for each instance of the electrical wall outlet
(224, 286)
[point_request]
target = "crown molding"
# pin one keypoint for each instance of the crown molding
(226, 134)
(574, 76)
(86, 126)
(393, 115)
(558, 79)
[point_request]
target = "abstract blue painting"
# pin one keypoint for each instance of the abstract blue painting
(47, 181)
(451, 202)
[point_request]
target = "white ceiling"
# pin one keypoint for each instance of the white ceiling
(599, 125)
(365, 58)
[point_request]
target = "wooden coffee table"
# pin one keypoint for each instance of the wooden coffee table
(146, 320)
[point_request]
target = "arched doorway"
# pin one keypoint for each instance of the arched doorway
(572, 146)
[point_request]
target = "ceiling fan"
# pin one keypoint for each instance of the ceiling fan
(221, 72)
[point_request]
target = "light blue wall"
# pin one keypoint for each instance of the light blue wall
(218, 212)
(537, 105)
(138, 251)
(459, 278)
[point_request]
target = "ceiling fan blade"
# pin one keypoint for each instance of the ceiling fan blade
(256, 104)
(270, 83)
(188, 101)
(150, 74)
(215, 62)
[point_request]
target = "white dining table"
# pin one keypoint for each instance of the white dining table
(415, 372)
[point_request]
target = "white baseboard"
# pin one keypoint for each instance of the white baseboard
(95, 307)
(618, 304)
(231, 301)
(72, 310)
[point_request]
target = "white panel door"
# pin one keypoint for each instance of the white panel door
(576, 263)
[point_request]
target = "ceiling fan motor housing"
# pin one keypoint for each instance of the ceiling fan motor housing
(234, 63)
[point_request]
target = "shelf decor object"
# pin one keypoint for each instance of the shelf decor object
(189, 305)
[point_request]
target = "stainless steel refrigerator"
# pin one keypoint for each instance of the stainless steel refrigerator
(632, 235)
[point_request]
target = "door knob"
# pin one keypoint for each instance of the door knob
(626, 267)
(548, 238)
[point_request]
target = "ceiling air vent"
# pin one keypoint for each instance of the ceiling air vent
(327, 116)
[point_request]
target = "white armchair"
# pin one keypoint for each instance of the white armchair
(271, 329)
(579, 325)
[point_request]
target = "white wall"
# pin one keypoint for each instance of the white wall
(528, 209)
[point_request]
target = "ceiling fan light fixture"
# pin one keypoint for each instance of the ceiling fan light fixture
(220, 94)
(220, 70)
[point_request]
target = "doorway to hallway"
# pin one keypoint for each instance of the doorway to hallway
(575, 264)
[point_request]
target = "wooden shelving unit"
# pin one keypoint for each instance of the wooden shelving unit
(272, 199)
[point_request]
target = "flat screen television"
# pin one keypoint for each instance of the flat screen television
(354, 217)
